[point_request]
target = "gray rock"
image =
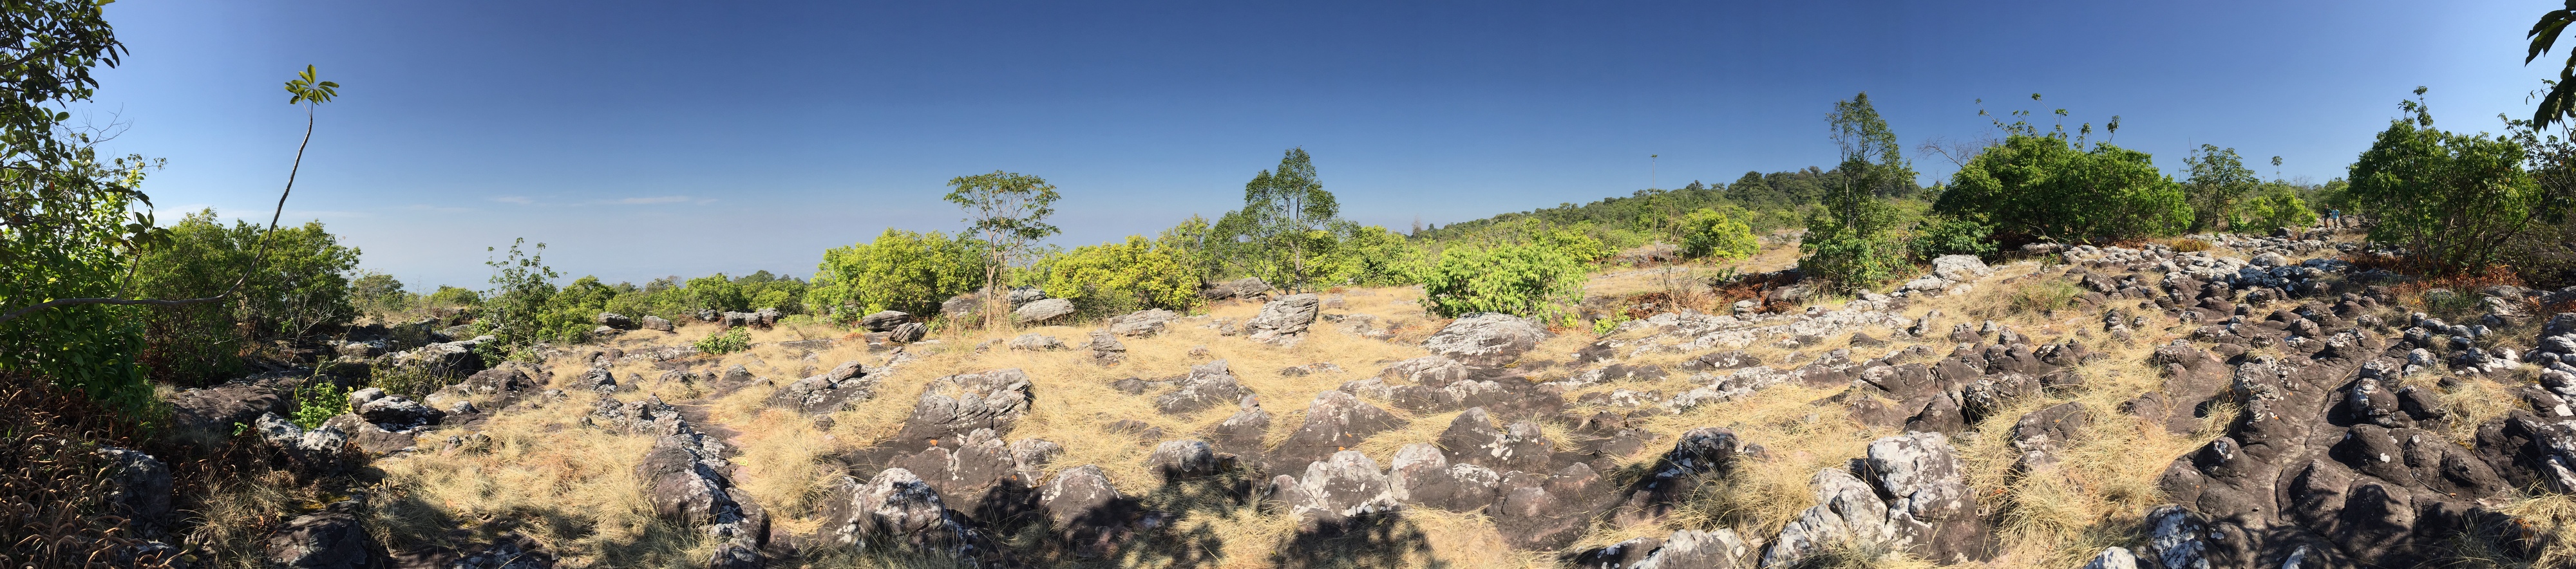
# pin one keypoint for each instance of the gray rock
(1042, 310)
(1036, 342)
(616, 321)
(1142, 323)
(1208, 385)
(909, 332)
(1283, 321)
(844, 385)
(2114, 557)
(1486, 339)
(1933, 508)
(318, 447)
(1023, 295)
(896, 511)
(1245, 288)
(1423, 476)
(1085, 509)
(1106, 349)
(953, 406)
(1960, 268)
(1846, 511)
(397, 413)
(1341, 487)
(657, 323)
(1694, 549)
(330, 539)
(138, 489)
(1184, 459)
(883, 321)
(1334, 421)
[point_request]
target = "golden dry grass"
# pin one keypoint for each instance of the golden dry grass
(573, 488)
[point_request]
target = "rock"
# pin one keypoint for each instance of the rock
(1245, 288)
(1335, 421)
(445, 359)
(1422, 476)
(1694, 549)
(843, 386)
(1087, 512)
(616, 321)
(952, 406)
(317, 449)
(1959, 268)
(1932, 507)
(2114, 557)
(1106, 349)
(216, 409)
(683, 482)
(1184, 459)
(961, 306)
(1283, 321)
(1036, 342)
(1701, 452)
(909, 332)
(1242, 433)
(1343, 486)
(657, 323)
(1207, 385)
(1472, 439)
(1846, 512)
(1142, 323)
(883, 320)
(1042, 311)
(138, 489)
(332, 538)
(897, 511)
(2176, 538)
(1485, 339)
(397, 413)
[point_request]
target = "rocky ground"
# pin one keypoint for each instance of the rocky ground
(2263, 403)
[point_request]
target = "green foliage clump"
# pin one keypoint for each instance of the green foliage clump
(1709, 233)
(378, 293)
(2219, 181)
(519, 310)
(1944, 235)
(319, 401)
(1119, 277)
(2049, 186)
(1368, 255)
(900, 270)
(1285, 226)
(299, 288)
(452, 297)
(1577, 244)
(1522, 280)
(735, 340)
(2277, 206)
(1848, 246)
(2451, 200)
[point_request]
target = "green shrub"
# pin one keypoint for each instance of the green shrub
(2278, 206)
(299, 288)
(1119, 277)
(1522, 280)
(2044, 187)
(1372, 256)
(1576, 243)
(453, 297)
(319, 401)
(1708, 233)
(900, 270)
(1944, 235)
(735, 340)
(1845, 263)
(517, 311)
(2451, 200)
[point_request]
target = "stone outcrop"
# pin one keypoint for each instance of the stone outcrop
(1283, 321)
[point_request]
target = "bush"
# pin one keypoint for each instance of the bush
(300, 289)
(317, 401)
(452, 297)
(2451, 200)
(1522, 280)
(2190, 245)
(2044, 187)
(517, 310)
(735, 340)
(2277, 207)
(1373, 256)
(1708, 233)
(900, 270)
(1944, 235)
(1120, 277)
(1847, 263)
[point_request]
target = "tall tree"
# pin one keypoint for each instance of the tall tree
(2452, 200)
(1846, 243)
(1285, 223)
(1009, 211)
(2219, 179)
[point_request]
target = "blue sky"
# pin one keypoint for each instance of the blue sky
(642, 139)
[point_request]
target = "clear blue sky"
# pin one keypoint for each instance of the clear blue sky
(643, 139)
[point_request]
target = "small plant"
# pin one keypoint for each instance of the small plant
(319, 401)
(2044, 296)
(2190, 245)
(730, 341)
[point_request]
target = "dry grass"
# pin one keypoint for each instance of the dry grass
(570, 488)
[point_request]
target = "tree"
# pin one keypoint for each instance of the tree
(1847, 245)
(299, 289)
(2451, 200)
(2560, 103)
(1284, 224)
(2048, 186)
(900, 270)
(514, 311)
(1008, 211)
(1708, 233)
(1118, 277)
(2218, 181)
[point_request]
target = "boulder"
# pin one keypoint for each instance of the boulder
(1036, 342)
(1472, 439)
(1185, 459)
(615, 321)
(398, 413)
(138, 489)
(908, 332)
(1106, 349)
(1344, 486)
(1422, 476)
(216, 409)
(844, 385)
(1245, 288)
(1042, 311)
(1695, 549)
(1142, 323)
(1087, 513)
(1208, 385)
(1485, 339)
(961, 306)
(1960, 268)
(897, 511)
(1698, 454)
(657, 323)
(1283, 321)
(1023, 295)
(314, 450)
(1932, 509)
(1335, 421)
(952, 406)
(883, 320)
(1846, 512)
(332, 538)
